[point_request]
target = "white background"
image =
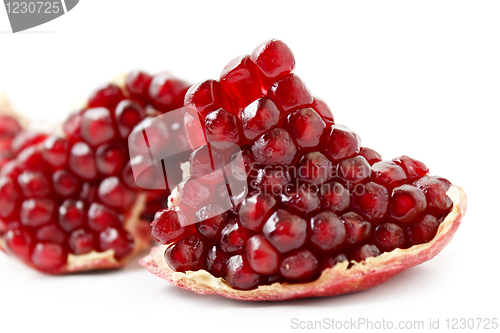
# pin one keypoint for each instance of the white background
(420, 78)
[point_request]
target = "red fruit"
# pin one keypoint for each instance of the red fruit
(314, 168)
(354, 170)
(262, 256)
(33, 184)
(371, 200)
(113, 193)
(272, 180)
(300, 266)
(239, 273)
(192, 193)
(9, 126)
(19, 242)
(137, 84)
(306, 126)
(36, 212)
(212, 219)
(206, 164)
(72, 214)
(107, 96)
(255, 210)
(388, 174)
(51, 233)
(334, 196)
(81, 242)
(258, 117)
(323, 110)
(97, 126)
(100, 217)
(205, 97)
(327, 232)
(422, 230)
(187, 254)
(48, 256)
(285, 231)
(166, 92)
(8, 197)
(216, 262)
(221, 126)
(389, 236)
(169, 226)
(407, 202)
(118, 240)
(370, 155)
(341, 142)
(364, 252)
(274, 147)
(414, 169)
(290, 94)
(110, 159)
(357, 228)
(55, 151)
(25, 139)
(301, 201)
(128, 114)
(82, 161)
(64, 183)
(435, 189)
(233, 237)
(72, 126)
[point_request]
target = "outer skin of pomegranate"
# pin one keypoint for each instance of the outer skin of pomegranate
(333, 281)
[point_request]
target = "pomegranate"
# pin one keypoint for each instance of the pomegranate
(318, 214)
(69, 202)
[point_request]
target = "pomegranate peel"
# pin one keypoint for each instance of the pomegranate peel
(340, 279)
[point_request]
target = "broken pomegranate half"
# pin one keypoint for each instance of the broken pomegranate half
(317, 215)
(69, 202)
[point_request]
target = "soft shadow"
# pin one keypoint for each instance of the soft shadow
(26, 32)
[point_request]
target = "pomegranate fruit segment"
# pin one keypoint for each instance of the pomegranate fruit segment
(321, 215)
(70, 202)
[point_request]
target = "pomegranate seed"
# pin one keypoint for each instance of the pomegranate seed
(258, 117)
(101, 217)
(72, 126)
(187, 254)
(128, 114)
(110, 159)
(422, 230)
(71, 214)
(329, 262)
(314, 168)
(33, 184)
(97, 126)
(48, 256)
(255, 210)
(357, 228)
(19, 242)
(137, 84)
(371, 202)
(285, 231)
(216, 262)
(388, 174)
(167, 92)
(151, 138)
(370, 155)
(30, 159)
(262, 256)
(435, 189)
(107, 96)
(117, 240)
(192, 193)
(414, 169)
(324, 111)
(334, 196)
(113, 193)
(407, 202)
(81, 242)
(271, 181)
(82, 161)
(290, 93)
(64, 183)
(25, 139)
(9, 126)
(206, 164)
(301, 201)
(233, 237)
(389, 236)
(364, 252)
(221, 126)
(36, 212)
(300, 266)
(274, 147)
(8, 197)
(52, 234)
(240, 275)
(88, 193)
(341, 142)
(211, 220)
(169, 225)
(354, 170)
(55, 151)
(327, 232)
(205, 97)
(306, 126)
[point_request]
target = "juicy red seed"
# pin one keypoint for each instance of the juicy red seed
(239, 83)
(35, 212)
(33, 184)
(354, 170)
(274, 147)
(188, 254)
(205, 97)
(192, 193)
(128, 114)
(137, 84)
(388, 174)
(274, 60)
(113, 193)
(262, 256)
(370, 155)
(150, 136)
(435, 189)
(55, 151)
(285, 231)
(290, 93)
(371, 201)
(407, 202)
(82, 161)
(258, 117)
(30, 159)
(327, 232)
(19, 242)
(167, 92)
(11, 170)
(422, 230)
(233, 237)
(271, 181)
(314, 168)
(49, 256)
(64, 183)
(118, 240)
(25, 139)
(3, 227)
(51, 233)
(211, 219)
(88, 193)
(72, 126)
(81, 242)
(357, 228)
(206, 163)
(9, 126)
(169, 225)
(334, 196)
(8, 197)
(301, 201)
(110, 159)
(255, 210)
(324, 111)
(299, 266)
(240, 275)
(414, 169)
(71, 214)
(364, 252)
(192, 125)
(341, 142)
(216, 263)
(97, 126)
(389, 236)
(107, 96)
(100, 217)
(306, 127)
(221, 126)
(331, 261)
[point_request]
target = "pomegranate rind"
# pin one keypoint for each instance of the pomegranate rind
(333, 281)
